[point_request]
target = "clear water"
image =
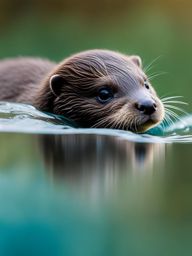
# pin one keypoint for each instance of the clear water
(71, 191)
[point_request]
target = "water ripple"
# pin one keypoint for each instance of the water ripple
(22, 118)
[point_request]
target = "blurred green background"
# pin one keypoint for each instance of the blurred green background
(57, 28)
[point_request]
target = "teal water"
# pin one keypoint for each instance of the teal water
(71, 191)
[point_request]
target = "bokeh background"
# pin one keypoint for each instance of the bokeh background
(57, 28)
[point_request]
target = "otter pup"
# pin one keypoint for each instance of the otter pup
(95, 88)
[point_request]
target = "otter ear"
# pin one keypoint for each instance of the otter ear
(137, 60)
(55, 83)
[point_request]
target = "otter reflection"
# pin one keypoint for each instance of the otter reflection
(82, 158)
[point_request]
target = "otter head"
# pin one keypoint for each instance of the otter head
(104, 89)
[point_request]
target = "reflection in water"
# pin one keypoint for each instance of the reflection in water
(105, 195)
(97, 161)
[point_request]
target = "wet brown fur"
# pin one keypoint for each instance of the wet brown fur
(27, 80)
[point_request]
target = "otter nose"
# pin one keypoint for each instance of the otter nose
(147, 107)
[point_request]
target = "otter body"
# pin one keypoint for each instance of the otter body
(21, 77)
(96, 88)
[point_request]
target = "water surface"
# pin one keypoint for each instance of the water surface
(69, 191)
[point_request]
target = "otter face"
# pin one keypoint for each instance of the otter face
(105, 89)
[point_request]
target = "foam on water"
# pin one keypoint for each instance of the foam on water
(23, 118)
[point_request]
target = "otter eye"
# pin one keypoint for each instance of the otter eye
(104, 95)
(146, 85)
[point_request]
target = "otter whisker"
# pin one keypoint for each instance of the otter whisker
(171, 113)
(168, 119)
(125, 123)
(135, 124)
(175, 102)
(119, 121)
(175, 108)
(131, 124)
(96, 125)
(153, 75)
(117, 124)
(169, 109)
(174, 115)
(125, 120)
(171, 97)
(102, 122)
(114, 124)
(150, 65)
(163, 123)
